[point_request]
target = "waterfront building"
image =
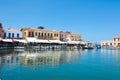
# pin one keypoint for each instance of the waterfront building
(13, 34)
(116, 40)
(111, 43)
(63, 36)
(73, 37)
(107, 43)
(76, 37)
(68, 36)
(40, 34)
(1, 31)
(27, 32)
(12, 38)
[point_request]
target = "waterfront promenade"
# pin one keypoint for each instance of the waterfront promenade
(44, 44)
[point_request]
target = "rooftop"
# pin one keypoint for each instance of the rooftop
(12, 30)
(116, 37)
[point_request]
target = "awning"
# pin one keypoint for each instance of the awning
(73, 42)
(29, 39)
(42, 41)
(55, 41)
(13, 40)
(7, 40)
(20, 40)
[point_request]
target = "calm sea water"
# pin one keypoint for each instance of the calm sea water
(60, 65)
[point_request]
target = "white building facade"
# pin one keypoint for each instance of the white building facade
(12, 34)
(113, 43)
(107, 43)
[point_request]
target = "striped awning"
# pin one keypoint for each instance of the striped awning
(20, 40)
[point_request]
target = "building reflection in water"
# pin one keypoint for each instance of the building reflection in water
(112, 55)
(39, 58)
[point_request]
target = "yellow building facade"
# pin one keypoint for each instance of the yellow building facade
(76, 37)
(41, 34)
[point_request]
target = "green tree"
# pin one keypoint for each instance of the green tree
(41, 27)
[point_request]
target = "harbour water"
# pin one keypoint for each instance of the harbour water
(98, 64)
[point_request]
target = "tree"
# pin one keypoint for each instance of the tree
(41, 27)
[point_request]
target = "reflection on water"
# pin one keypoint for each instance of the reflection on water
(60, 65)
(112, 55)
(54, 58)
(110, 51)
(38, 58)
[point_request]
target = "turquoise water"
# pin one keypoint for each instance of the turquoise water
(60, 65)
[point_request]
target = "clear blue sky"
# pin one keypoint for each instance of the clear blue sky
(95, 20)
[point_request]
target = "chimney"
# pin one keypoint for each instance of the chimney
(0, 25)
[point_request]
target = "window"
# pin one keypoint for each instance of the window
(35, 33)
(42, 34)
(4, 35)
(57, 35)
(32, 34)
(54, 34)
(51, 35)
(29, 34)
(25, 33)
(12, 35)
(48, 35)
(45, 34)
(17, 35)
(118, 39)
(39, 33)
(9, 35)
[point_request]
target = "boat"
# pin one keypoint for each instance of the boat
(87, 47)
(19, 47)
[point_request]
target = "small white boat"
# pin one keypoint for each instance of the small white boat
(19, 47)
